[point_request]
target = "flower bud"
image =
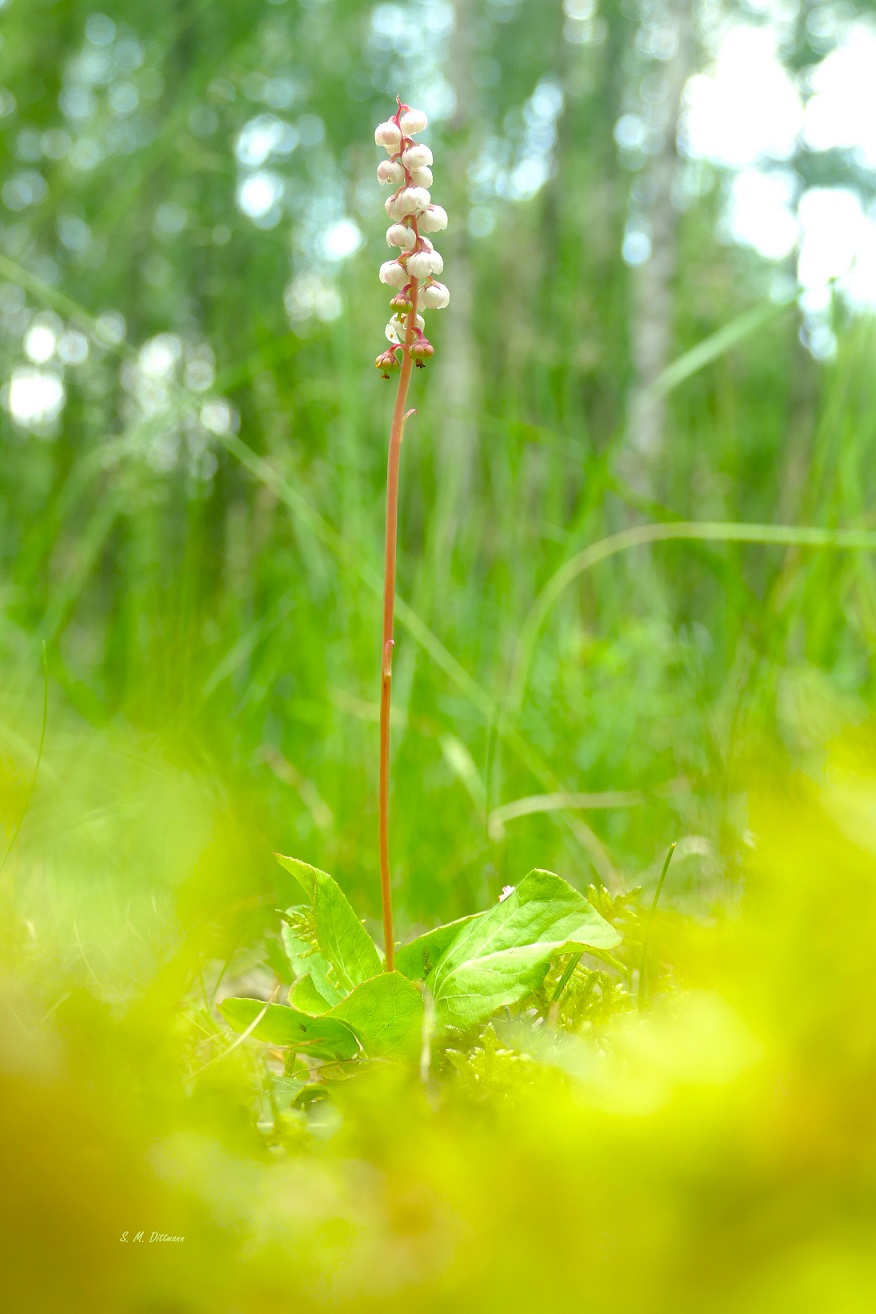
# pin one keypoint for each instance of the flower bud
(387, 361)
(401, 236)
(433, 220)
(387, 134)
(393, 274)
(400, 304)
(421, 350)
(434, 296)
(412, 121)
(422, 264)
(416, 156)
(422, 177)
(390, 171)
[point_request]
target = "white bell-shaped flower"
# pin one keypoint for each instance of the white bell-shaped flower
(433, 220)
(416, 156)
(421, 199)
(412, 200)
(406, 201)
(422, 177)
(394, 207)
(413, 120)
(390, 171)
(388, 134)
(397, 328)
(434, 296)
(423, 264)
(401, 236)
(393, 274)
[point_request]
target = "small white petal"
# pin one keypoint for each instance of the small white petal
(433, 220)
(413, 121)
(397, 327)
(394, 208)
(393, 274)
(422, 177)
(437, 262)
(401, 236)
(434, 296)
(390, 171)
(387, 134)
(416, 157)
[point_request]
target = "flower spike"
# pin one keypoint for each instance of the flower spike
(412, 215)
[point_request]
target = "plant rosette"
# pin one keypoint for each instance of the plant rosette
(344, 1006)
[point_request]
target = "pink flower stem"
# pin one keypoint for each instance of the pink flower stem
(396, 434)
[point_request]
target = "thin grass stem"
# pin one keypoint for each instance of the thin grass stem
(566, 977)
(646, 938)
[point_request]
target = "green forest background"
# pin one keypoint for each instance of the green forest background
(193, 526)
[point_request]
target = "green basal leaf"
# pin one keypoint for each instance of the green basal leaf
(301, 942)
(305, 994)
(323, 1037)
(386, 1014)
(416, 960)
(341, 937)
(498, 958)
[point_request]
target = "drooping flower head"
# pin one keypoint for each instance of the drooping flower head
(412, 215)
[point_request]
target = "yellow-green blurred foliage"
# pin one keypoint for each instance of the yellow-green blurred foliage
(715, 1153)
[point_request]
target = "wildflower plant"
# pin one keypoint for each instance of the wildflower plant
(346, 1005)
(412, 274)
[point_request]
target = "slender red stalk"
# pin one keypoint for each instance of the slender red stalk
(395, 441)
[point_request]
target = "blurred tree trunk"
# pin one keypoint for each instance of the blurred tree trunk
(457, 360)
(586, 204)
(455, 374)
(652, 336)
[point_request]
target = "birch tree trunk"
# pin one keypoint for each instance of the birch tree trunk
(456, 362)
(652, 335)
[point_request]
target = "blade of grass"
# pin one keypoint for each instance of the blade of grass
(858, 540)
(647, 934)
(39, 758)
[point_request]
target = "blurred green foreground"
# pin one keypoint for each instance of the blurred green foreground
(716, 1152)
